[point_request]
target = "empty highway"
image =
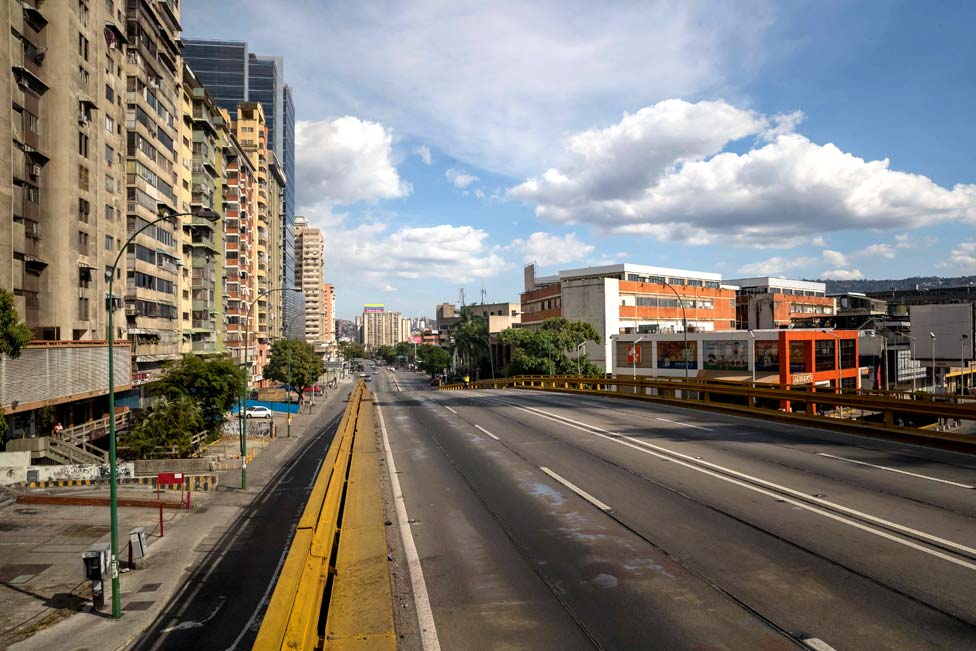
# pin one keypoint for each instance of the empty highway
(545, 521)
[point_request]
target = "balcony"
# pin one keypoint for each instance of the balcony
(204, 347)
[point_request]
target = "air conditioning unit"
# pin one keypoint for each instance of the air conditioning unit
(35, 170)
(23, 83)
(130, 310)
(83, 119)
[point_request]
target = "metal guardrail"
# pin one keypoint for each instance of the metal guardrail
(323, 571)
(758, 401)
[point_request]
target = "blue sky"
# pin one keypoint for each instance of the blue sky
(444, 146)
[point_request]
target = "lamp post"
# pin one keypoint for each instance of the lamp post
(934, 385)
(912, 349)
(242, 411)
(962, 362)
(752, 354)
(578, 347)
(684, 323)
(634, 356)
(291, 384)
(212, 217)
(837, 339)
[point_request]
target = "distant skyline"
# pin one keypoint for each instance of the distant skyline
(444, 146)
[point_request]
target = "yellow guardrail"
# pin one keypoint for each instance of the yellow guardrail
(334, 587)
(756, 400)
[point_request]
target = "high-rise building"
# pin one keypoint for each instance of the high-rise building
(328, 309)
(380, 328)
(232, 75)
(309, 251)
(154, 85)
(62, 115)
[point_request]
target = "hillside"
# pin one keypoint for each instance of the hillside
(836, 286)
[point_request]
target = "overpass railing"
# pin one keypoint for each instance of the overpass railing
(892, 412)
(334, 588)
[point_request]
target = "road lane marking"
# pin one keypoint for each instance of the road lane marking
(692, 464)
(449, 409)
(421, 600)
(576, 489)
(487, 432)
(677, 422)
(817, 644)
(902, 472)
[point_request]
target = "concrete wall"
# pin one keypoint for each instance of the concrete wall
(595, 301)
(153, 467)
(13, 467)
(16, 474)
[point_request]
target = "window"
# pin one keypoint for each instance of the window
(83, 47)
(109, 183)
(848, 359)
(84, 210)
(711, 284)
(82, 145)
(83, 304)
(83, 75)
(109, 93)
(109, 155)
(31, 123)
(676, 281)
(696, 283)
(83, 177)
(109, 213)
(84, 277)
(109, 243)
(824, 355)
(83, 242)
(109, 124)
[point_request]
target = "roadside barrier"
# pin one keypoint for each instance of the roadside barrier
(334, 588)
(877, 412)
(191, 482)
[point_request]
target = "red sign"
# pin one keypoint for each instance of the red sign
(169, 478)
(634, 354)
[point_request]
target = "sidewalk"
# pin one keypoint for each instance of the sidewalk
(56, 586)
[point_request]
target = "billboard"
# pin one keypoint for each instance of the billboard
(725, 355)
(767, 355)
(671, 354)
(372, 307)
(952, 325)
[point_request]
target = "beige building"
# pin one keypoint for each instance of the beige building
(309, 252)
(238, 187)
(328, 306)
(383, 329)
(63, 117)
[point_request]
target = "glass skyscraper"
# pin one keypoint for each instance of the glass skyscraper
(232, 74)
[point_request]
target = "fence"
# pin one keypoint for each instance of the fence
(877, 411)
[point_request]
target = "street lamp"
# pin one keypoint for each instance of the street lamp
(962, 362)
(212, 217)
(912, 349)
(291, 384)
(684, 323)
(837, 338)
(242, 410)
(578, 347)
(752, 341)
(934, 385)
(634, 356)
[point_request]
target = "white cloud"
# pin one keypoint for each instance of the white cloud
(775, 265)
(901, 241)
(962, 258)
(455, 253)
(662, 172)
(880, 250)
(548, 249)
(460, 179)
(835, 258)
(423, 151)
(842, 274)
(346, 160)
(478, 192)
(498, 84)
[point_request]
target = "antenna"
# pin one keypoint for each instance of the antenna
(484, 293)
(461, 292)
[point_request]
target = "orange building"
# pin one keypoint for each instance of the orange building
(770, 302)
(629, 298)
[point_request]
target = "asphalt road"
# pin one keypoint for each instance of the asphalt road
(547, 521)
(221, 603)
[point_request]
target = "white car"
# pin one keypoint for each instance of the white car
(259, 412)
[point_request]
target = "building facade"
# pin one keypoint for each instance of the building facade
(380, 328)
(629, 298)
(768, 302)
(310, 251)
(328, 307)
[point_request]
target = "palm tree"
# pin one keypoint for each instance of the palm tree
(470, 339)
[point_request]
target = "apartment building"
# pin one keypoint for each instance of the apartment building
(629, 298)
(381, 328)
(329, 317)
(154, 91)
(769, 302)
(238, 188)
(309, 255)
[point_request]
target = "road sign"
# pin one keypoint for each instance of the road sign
(634, 354)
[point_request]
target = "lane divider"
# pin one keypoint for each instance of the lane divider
(449, 409)
(603, 506)
(482, 429)
(901, 472)
(782, 493)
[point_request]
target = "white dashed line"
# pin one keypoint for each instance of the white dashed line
(901, 472)
(449, 409)
(576, 489)
(482, 429)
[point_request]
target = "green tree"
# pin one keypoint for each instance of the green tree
(295, 363)
(550, 349)
(350, 350)
(213, 383)
(14, 333)
(4, 426)
(433, 359)
(404, 352)
(388, 353)
(166, 429)
(471, 341)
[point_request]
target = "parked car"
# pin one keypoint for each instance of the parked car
(259, 412)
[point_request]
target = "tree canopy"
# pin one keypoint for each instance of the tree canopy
(14, 333)
(388, 353)
(471, 341)
(433, 359)
(166, 429)
(550, 349)
(295, 363)
(352, 350)
(213, 383)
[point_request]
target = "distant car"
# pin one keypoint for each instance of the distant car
(369, 378)
(259, 412)
(363, 374)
